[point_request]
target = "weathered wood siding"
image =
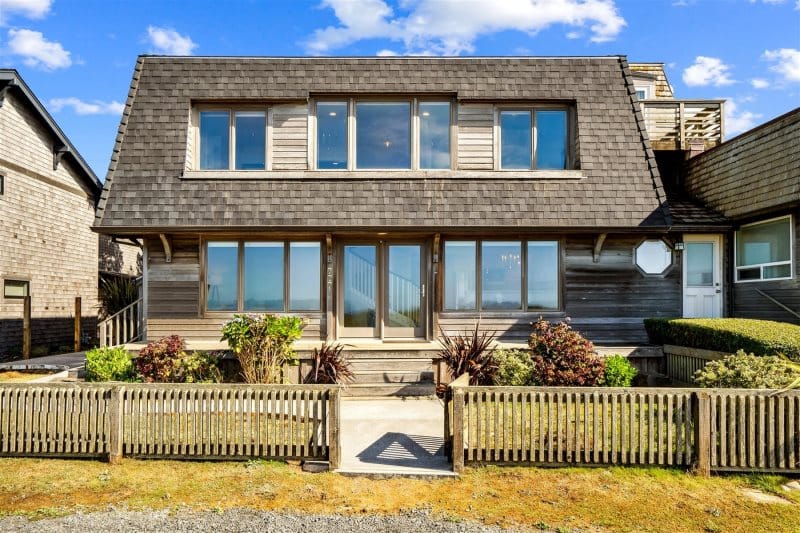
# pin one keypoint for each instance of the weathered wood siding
(749, 303)
(755, 172)
(173, 289)
(207, 329)
(289, 137)
(663, 88)
(607, 301)
(45, 233)
(475, 137)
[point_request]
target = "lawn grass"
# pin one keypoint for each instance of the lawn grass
(597, 499)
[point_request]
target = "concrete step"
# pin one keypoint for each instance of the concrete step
(389, 389)
(392, 376)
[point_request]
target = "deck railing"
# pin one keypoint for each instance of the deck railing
(200, 421)
(674, 124)
(127, 325)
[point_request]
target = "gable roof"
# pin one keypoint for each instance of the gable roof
(11, 80)
(145, 189)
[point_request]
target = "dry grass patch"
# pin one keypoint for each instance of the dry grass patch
(616, 499)
(14, 376)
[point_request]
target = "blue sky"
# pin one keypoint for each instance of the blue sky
(78, 55)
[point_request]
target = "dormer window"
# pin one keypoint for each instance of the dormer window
(370, 134)
(533, 138)
(232, 139)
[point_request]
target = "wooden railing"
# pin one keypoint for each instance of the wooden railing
(127, 325)
(682, 362)
(708, 429)
(214, 421)
(673, 124)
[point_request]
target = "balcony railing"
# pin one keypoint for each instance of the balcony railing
(674, 124)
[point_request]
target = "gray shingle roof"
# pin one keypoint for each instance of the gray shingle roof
(144, 188)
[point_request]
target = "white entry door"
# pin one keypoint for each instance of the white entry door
(702, 276)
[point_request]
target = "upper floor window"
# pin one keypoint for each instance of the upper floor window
(533, 139)
(231, 139)
(764, 250)
(383, 135)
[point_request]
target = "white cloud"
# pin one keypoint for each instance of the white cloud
(773, 2)
(450, 27)
(574, 35)
(707, 71)
(96, 107)
(736, 120)
(759, 83)
(785, 61)
(36, 51)
(386, 53)
(169, 42)
(32, 9)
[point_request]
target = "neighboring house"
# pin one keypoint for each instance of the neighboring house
(47, 204)
(754, 180)
(385, 198)
(120, 258)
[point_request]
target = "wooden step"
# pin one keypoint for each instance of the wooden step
(390, 389)
(416, 365)
(380, 377)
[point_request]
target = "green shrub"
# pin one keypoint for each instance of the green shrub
(109, 364)
(619, 372)
(514, 367)
(761, 337)
(563, 357)
(198, 367)
(747, 371)
(263, 344)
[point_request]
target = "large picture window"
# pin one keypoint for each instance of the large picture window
(501, 275)
(764, 250)
(383, 135)
(231, 139)
(533, 139)
(263, 276)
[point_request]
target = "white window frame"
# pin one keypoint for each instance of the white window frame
(761, 266)
(232, 110)
(645, 90)
(498, 134)
(13, 279)
(352, 132)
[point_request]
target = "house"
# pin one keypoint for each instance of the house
(386, 198)
(47, 204)
(754, 180)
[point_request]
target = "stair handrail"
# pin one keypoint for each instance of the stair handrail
(124, 326)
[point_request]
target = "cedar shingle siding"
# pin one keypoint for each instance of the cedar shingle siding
(621, 187)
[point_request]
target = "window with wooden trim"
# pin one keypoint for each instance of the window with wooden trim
(533, 138)
(16, 289)
(764, 250)
(263, 276)
(376, 134)
(501, 275)
(232, 138)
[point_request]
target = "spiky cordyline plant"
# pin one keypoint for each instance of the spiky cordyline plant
(470, 352)
(329, 366)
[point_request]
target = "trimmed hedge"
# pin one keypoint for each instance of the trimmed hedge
(760, 337)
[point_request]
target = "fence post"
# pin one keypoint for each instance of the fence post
(115, 426)
(702, 433)
(77, 323)
(26, 327)
(458, 430)
(448, 442)
(334, 422)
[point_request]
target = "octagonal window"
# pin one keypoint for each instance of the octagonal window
(653, 256)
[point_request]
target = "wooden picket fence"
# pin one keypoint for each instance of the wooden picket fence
(682, 362)
(708, 429)
(208, 421)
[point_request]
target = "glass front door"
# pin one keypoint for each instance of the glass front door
(382, 291)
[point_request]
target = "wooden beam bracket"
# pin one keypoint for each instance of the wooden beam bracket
(58, 153)
(167, 243)
(598, 247)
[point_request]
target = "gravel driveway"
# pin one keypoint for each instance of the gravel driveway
(240, 520)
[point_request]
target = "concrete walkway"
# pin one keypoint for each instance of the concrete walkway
(68, 361)
(393, 437)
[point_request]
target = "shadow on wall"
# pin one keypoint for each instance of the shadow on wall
(48, 335)
(116, 258)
